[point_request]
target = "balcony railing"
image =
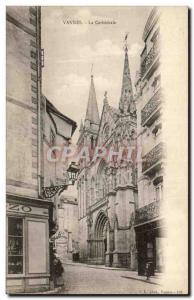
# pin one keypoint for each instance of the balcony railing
(151, 106)
(149, 59)
(147, 212)
(152, 157)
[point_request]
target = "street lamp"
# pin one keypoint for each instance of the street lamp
(51, 191)
(72, 172)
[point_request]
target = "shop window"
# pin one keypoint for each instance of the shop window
(150, 251)
(15, 245)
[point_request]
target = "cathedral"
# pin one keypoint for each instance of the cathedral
(107, 190)
(120, 200)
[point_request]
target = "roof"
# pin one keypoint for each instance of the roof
(151, 21)
(53, 109)
(126, 90)
(92, 113)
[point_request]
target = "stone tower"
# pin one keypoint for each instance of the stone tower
(89, 130)
(126, 103)
(87, 139)
(124, 253)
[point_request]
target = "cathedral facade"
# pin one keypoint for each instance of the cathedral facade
(107, 188)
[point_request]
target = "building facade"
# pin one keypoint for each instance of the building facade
(120, 213)
(66, 238)
(107, 189)
(27, 212)
(57, 132)
(149, 222)
(33, 125)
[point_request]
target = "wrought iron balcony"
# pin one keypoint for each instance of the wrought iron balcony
(149, 59)
(147, 212)
(152, 157)
(150, 107)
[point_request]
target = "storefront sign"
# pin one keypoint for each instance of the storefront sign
(26, 209)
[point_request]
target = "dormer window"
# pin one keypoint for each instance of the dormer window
(157, 129)
(155, 36)
(156, 83)
(158, 183)
(159, 192)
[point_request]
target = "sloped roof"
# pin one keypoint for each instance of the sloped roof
(53, 109)
(151, 21)
(126, 90)
(92, 113)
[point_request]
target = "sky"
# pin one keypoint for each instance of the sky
(71, 50)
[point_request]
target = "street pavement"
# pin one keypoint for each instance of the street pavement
(85, 279)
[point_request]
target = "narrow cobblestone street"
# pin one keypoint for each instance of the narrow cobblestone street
(83, 279)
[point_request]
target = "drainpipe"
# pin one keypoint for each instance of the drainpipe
(39, 75)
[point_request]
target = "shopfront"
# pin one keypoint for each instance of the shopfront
(27, 264)
(150, 239)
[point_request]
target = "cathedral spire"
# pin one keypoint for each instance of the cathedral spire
(126, 90)
(105, 98)
(92, 114)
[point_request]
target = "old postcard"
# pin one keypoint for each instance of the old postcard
(97, 150)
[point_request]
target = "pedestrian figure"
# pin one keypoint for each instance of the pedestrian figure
(148, 270)
(58, 272)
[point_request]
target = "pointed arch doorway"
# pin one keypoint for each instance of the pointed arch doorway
(100, 237)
